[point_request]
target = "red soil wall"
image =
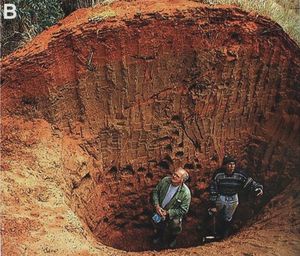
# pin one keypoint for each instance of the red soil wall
(155, 86)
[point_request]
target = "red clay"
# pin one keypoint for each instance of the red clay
(122, 94)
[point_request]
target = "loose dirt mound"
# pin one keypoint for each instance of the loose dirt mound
(98, 108)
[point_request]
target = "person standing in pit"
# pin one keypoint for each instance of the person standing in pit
(226, 183)
(171, 201)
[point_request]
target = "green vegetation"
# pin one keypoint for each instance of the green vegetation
(32, 17)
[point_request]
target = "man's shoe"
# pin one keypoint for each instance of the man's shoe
(226, 229)
(156, 240)
(172, 244)
(199, 228)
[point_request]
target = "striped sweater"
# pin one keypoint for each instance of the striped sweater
(224, 184)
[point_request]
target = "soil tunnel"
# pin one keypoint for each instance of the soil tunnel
(144, 91)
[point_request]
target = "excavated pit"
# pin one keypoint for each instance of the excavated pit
(151, 87)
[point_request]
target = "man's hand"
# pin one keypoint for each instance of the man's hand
(165, 213)
(212, 210)
(159, 210)
(259, 192)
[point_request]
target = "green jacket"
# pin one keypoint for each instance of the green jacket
(179, 204)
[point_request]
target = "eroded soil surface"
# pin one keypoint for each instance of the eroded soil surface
(98, 108)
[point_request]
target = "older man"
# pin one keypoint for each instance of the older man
(227, 182)
(171, 201)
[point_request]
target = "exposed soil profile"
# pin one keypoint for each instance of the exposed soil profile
(97, 109)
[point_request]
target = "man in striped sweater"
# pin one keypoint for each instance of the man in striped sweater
(227, 182)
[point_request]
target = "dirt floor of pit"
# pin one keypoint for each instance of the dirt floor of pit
(36, 218)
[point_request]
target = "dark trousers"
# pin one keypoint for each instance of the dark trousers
(168, 230)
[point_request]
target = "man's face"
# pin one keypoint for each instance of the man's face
(177, 177)
(230, 167)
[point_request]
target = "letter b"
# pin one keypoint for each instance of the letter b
(9, 11)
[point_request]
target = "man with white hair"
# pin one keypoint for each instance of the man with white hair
(171, 201)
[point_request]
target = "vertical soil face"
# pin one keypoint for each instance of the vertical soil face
(156, 87)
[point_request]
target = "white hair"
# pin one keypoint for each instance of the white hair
(185, 174)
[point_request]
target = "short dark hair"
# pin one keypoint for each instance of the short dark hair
(228, 159)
